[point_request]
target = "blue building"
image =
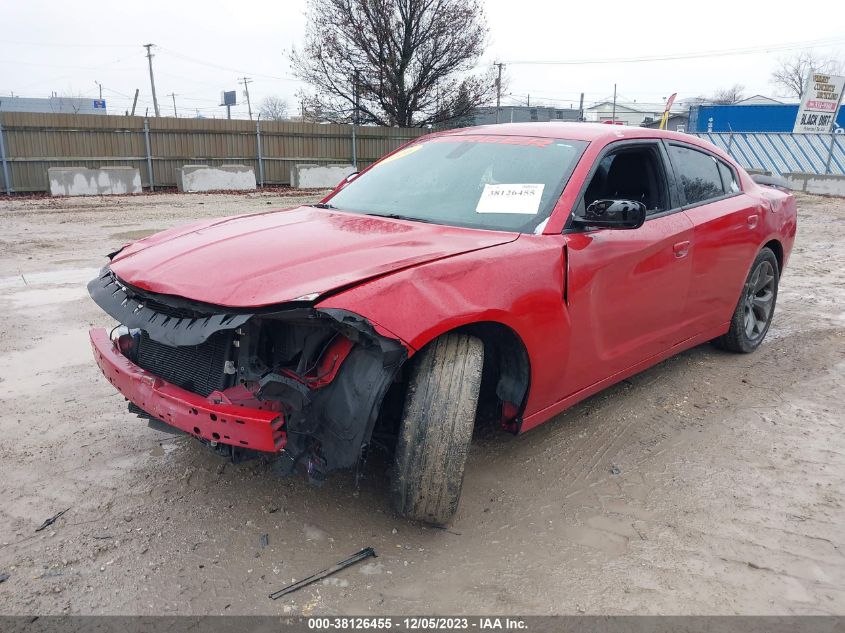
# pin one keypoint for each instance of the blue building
(748, 118)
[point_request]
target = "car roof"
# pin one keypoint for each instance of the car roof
(571, 131)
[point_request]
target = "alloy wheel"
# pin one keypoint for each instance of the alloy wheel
(759, 300)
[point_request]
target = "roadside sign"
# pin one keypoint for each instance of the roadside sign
(821, 100)
(99, 104)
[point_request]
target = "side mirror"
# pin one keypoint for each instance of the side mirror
(345, 181)
(613, 214)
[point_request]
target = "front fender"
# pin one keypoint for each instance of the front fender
(519, 284)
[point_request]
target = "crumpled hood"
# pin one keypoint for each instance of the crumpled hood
(269, 258)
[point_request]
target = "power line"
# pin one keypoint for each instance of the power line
(59, 45)
(674, 56)
(227, 68)
(18, 62)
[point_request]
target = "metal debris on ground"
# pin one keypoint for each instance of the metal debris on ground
(264, 540)
(367, 552)
(446, 528)
(51, 520)
(4, 577)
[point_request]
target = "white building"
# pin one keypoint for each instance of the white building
(56, 105)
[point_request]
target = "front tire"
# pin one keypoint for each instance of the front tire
(756, 307)
(436, 428)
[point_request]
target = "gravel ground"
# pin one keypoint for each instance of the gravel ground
(709, 484)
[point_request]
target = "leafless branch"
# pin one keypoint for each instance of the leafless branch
(410, 62)
(792, 72)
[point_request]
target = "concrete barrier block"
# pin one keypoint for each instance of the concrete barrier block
(306, 176)
(819, 184)
(205, 178)
(81, 181)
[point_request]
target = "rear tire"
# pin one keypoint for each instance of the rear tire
(436, 428)
(756, 307)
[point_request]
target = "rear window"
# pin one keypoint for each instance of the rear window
(728, 178)
(698, 173)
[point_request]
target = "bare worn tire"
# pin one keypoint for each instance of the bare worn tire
(436, 428)
(756, 306)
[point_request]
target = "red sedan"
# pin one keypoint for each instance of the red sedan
(510, 269)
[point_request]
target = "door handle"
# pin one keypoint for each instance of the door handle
(681, 248)
(752, 221)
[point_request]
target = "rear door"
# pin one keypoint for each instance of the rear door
(725, 240)
(627, 288)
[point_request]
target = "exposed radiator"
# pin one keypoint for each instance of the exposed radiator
(195, 368)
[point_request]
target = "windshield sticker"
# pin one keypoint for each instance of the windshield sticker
(496, 140)
(517, 198)
(401, 154)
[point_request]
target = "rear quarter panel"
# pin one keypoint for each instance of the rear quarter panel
(781, 222)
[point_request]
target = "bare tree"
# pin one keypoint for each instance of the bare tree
(408, 61)
(68, 100)
(728, 96)
(792, 72)
(273, 108)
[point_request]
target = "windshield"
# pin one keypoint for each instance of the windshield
(507, 183)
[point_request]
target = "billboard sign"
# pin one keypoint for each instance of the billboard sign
(229, 98)
(99, 104)
(822, 96)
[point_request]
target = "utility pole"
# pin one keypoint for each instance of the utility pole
(355, 105)
(152, 80)
(614, 104)
(581, 108)
(246, 81)
(135, 101)
(498, 91)
(172, 94)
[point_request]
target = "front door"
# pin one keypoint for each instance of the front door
(627, 289)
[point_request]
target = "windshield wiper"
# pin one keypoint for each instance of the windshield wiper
(323, 205)
(397, 216)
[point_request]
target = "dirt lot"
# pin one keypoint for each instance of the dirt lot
(712, 483)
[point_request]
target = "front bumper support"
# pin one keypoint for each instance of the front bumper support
(220, 423)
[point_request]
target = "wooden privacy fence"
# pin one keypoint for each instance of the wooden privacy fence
(30, 143)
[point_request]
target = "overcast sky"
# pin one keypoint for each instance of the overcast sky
(203, 47)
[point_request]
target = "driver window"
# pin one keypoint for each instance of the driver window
(633, 173)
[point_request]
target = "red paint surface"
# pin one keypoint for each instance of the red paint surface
(239, 426)
(259, 260)
(590, 308)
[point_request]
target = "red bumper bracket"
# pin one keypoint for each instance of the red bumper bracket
(239, 426)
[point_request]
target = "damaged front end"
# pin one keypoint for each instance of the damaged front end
(303, 383)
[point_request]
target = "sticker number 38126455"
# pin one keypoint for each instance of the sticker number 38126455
(514, 198)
